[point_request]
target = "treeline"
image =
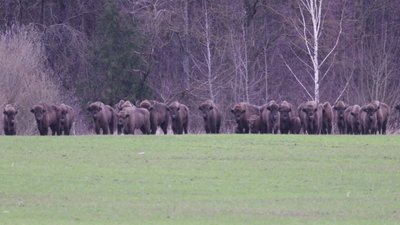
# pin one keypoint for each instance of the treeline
(228, 51)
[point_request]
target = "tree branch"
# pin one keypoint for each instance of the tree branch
(297, 79)
(337, 39)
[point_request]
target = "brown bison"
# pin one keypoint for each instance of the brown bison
(122, 104)
(327, 118)
(66, 118)
(369, 120)
(104, 117)
(270, 117)
(132, 118)
(159, 115)
(302, 116)
(9, 123)
(242, 112)
(179, 117)
(311, 117)
(212, 117)
(382, 116)
(254, 124)
(118, 107)
(295, 125)
(353, 120)
(285, 116)
(289, 123)
(46, 116)
(340, 108)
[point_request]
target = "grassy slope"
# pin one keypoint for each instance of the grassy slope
(200, 179)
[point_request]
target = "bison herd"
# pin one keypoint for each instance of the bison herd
(312, 118)
(273, 118)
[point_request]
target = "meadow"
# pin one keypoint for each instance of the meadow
(200, 179)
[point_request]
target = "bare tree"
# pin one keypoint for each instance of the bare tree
(309, 27)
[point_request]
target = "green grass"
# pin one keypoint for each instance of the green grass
(200, 179)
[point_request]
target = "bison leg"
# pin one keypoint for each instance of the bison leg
(153, 128)
(237, 130)
(218, 128)
(97, 130)
(146, 129)
(119, 129)
(67, 130)
(44, 131)
(164, 127)
(384, 126)
(110, 129)
(105, 130)
(143, 129)
(207, 129)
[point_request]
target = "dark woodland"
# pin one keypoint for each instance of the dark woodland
(229, 51)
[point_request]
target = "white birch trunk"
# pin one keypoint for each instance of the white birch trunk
(186, 68)
(311, 10)
(209, 58)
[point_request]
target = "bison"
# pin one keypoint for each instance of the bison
(9, 123)
(159, 115)
(369, 120)
(254, 124)
(104, 117)
(340, 108)
(65, 118)
(382, 116)
(353, 120)
(285, 116)
(46, 117)
(118, 107)
(295, 125)
(242, 112)
(132, 118)
(212, 116)
(327, 118)
(311, 115)
(289, 123)
(179, 117)
(302, 116)
(270, 117)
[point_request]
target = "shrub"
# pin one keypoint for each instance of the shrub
(24, 74)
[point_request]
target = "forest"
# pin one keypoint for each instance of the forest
(229, 51)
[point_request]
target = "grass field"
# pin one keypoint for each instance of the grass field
(200, 179)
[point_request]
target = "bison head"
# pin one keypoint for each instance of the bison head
(238, 111)
(63, 111)
(254, 121)
(122, 116)
(10, 113)
(284, 111)
(274, 112)
(370, 109)
(355, 113)
(311, 110)
(340, 107)
(205, 108)
(95, 109)
(174, 109)
(146, 104)
(39, 111)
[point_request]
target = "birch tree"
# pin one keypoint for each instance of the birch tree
(309, 26)
(207, 61)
